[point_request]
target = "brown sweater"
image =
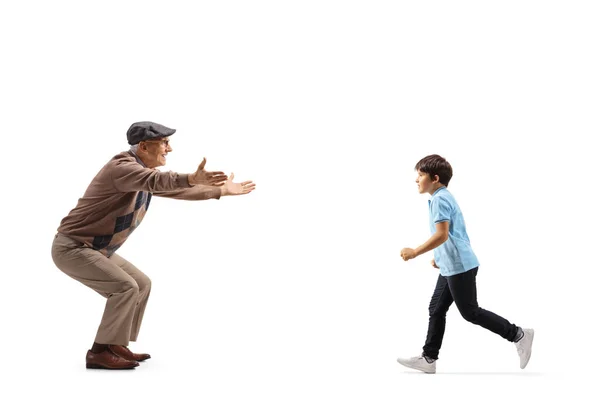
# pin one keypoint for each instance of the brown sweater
(117, 199)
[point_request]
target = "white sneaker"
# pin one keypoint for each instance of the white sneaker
(418, 363)
(524, 347)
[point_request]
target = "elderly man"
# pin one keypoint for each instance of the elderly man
(112, 207)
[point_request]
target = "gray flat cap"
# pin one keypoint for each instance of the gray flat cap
(147, 130)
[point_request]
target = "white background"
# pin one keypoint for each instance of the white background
(297, 291)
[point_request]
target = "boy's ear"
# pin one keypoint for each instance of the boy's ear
(436, 178)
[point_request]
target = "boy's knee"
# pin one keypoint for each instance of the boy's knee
(436, 312)
(470, 314)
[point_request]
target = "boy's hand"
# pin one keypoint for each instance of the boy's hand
(434, 264)
(408, 254)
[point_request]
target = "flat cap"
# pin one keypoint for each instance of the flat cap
(147, 130)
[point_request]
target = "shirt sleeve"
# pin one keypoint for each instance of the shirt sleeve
(441, 210)
(197, 192)
(129, 176)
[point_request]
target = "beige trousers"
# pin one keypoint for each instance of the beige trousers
(125, 287)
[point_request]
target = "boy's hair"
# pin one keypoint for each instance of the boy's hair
(436, 165)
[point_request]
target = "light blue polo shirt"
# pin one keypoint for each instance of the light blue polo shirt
(455, 255)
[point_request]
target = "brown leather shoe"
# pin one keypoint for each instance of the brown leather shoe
(127, 354)
(107, 360)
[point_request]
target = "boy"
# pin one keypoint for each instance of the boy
(458, 267)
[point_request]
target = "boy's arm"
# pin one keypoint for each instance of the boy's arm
(437, 239)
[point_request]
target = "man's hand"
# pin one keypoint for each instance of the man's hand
(230, 188)
(408, 254)
(202, 177)
(434, 264)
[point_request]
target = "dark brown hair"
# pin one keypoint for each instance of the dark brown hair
(436, 165)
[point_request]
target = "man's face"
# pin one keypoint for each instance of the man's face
(424, 182)
(156, 152)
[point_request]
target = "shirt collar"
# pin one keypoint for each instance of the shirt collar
(437, 192)
(139, 160)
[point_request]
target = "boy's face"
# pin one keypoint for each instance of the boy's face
(425, 183)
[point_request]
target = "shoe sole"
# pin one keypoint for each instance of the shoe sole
(415, 368)
(97, 366)
(530, 350)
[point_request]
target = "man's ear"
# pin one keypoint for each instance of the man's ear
(142, 146)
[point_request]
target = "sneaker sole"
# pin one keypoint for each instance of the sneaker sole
(415, 368)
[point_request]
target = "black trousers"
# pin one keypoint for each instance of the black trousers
(460, 289)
